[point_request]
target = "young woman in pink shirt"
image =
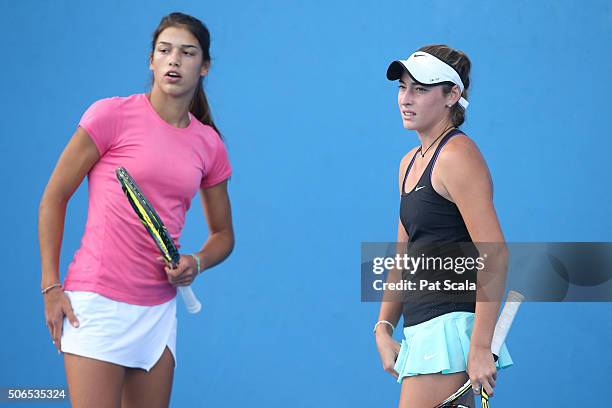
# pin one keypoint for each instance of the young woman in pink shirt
(114, 318)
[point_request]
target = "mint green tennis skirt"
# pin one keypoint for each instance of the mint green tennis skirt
(440, 345)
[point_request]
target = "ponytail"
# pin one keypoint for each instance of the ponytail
(201, 109)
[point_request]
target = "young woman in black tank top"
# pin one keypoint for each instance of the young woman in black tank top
(446, 195)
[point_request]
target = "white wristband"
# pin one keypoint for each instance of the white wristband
(384, 322)
(197, 259)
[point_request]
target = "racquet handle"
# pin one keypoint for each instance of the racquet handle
(513, 301)
(191, 301)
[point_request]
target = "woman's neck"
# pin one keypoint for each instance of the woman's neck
(433, 133)
(170, 109)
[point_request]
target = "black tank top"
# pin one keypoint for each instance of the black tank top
(430, 218)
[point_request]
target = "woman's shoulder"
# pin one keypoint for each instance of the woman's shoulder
(206, 133)
(119, 99)
(460, 152)
(113, 103)
(458, 147)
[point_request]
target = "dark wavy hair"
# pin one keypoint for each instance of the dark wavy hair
(199, 106)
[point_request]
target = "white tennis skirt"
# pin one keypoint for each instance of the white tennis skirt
(120, 333)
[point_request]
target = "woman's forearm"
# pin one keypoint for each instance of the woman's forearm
(217, 247)
(391, 312)
(491, 282)
(484, 324)
(51, 217)
(392, 305)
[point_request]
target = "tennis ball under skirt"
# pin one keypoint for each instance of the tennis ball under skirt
(120, 333)
(440, 345)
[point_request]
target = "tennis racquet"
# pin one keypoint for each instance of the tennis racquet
(513, 301)
(157, 230)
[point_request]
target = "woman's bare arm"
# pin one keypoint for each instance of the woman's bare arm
(220, 242)
(76, 160)
(218, 213)
(391, 310)
(466, 177)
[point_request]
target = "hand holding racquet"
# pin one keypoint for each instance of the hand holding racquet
(513, 301)
(155, 227)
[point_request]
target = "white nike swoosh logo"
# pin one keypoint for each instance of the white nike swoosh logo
(418, 188)
(429, 357)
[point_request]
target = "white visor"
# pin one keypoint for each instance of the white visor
(428, 70)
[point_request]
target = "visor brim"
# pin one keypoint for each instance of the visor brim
(395, 70)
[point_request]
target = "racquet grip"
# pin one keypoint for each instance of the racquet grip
(191, 301)
(513, 301)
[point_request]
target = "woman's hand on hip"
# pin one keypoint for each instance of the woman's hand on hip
(388, 349)
(57, 305)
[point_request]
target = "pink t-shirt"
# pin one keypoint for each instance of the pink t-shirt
(117, 257)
